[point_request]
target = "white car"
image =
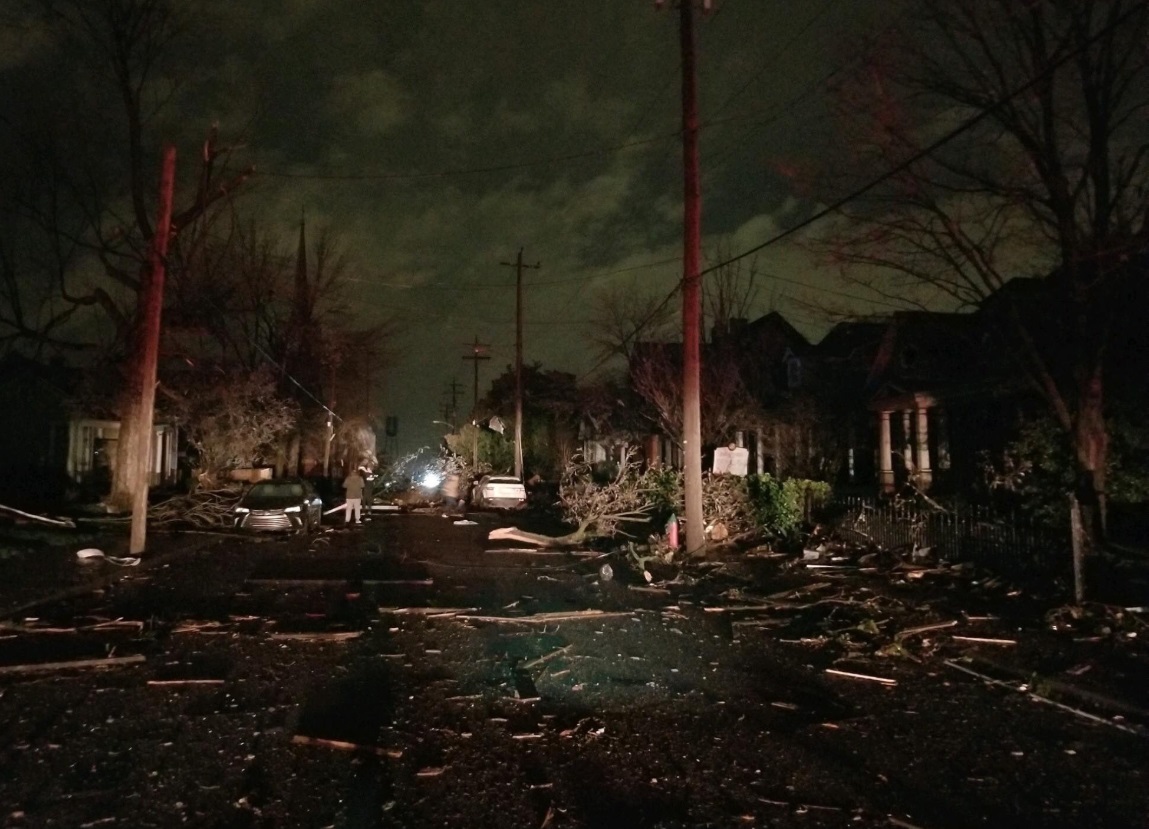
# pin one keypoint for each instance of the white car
(499, 492)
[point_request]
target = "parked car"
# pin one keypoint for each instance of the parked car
(499, 492)
(281, 504)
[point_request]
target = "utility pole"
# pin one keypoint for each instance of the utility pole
(478, 352)
(691, 285)
(330, 437)
(518, 266)
(147, 352)
(450, 414)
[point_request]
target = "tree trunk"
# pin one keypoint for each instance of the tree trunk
(1077, 534)
(545, 541)
(124, 475)
(1091, 446)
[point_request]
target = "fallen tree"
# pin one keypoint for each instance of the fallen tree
(596, 509)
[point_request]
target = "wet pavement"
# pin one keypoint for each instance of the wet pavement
(410, 673)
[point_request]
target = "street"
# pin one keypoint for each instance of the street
(409, 673)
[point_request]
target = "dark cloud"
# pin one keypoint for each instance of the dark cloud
(438, 137)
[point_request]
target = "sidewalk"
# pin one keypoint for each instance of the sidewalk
(39, 563)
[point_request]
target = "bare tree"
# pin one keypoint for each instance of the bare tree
(247, 300)
(1018, 135)
(126, 63)
(627, 315)
(730, 292)
(726, 405)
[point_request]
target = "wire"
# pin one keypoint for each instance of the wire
(776, 56)
(961, 128)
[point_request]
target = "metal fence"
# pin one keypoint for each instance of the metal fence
(965, 533)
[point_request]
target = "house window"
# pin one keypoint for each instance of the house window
(793, 372)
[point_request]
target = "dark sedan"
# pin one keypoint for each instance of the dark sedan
(279, 505)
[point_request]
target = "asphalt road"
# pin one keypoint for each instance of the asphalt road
(408, 673)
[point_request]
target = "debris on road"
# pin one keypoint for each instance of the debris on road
(41, 519)
(547, 618)
(854, 675)
(343, 745)
(105, 662)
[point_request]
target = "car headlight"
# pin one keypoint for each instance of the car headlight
(242, 510)
(292, 509)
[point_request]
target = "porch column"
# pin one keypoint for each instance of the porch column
(922, 437)
(907, 441)
(852, 447)
(885, 459)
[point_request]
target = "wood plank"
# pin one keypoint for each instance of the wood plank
(106, 662)
(547, 618)
(343, 745)
(320, 635)
(851, 675)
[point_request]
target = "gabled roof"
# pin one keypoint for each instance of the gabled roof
(775, 323)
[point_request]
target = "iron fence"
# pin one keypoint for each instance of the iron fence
(964, 533)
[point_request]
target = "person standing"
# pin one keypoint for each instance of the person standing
(353, 486)
(368, 491)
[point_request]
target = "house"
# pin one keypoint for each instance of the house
(751, 372)
(915, 396)
(49, 447)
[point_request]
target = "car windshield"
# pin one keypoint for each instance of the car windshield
(276, 490)
(503, 481)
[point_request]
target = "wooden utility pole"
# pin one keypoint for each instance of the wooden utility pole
(518, 266)
(147, 348)
(478, 352)
(691, 287)
(451, 410)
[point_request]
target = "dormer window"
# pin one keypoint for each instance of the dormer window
(793, 370)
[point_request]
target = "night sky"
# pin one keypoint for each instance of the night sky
(438, 137)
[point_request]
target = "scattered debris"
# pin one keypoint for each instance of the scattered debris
(852, 675)
(91, 554)
(320, 635)
(1025, 688)
(105, 662)
(908, 632)
(430, 612)
(547, 618)
(343, 745)
(534, 663)
(42, 519)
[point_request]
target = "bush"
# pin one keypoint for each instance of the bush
(756, 503)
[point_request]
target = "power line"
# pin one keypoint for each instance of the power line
(776, 55)
(963, 127)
